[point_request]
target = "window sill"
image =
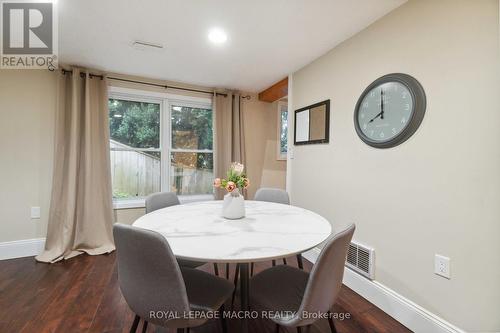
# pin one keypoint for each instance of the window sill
(195, 197)
(129, 203)
(140, 203)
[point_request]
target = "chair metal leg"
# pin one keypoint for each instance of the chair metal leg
(251, 269)
(277, 328)
(216, 269)
(284, 261)
(299, 329)
(227, 271)
(299, 261)
(331, 323)
(274, 262)
(133, 329)
(144, 326)
(236, 275)
(223, 320)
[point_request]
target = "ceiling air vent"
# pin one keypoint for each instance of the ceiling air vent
(361, 259)
(141, 45)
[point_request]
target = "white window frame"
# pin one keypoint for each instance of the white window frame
(165, 100)
(279, 155)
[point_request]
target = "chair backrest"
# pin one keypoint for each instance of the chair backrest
(150, 278)
(272, 195)
(161, 200)
(326, 275)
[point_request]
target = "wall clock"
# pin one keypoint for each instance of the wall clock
(390, 110)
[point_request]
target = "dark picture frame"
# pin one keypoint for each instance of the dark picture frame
(326, 138)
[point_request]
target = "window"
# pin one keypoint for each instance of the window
(192, 158)
(159, 142)
(135, 147)
(282, 130)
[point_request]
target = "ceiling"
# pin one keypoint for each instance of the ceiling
(267, 40)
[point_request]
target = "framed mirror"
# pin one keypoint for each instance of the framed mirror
(312, 124)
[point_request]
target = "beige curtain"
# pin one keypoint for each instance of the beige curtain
(81, 215)
(230, 136)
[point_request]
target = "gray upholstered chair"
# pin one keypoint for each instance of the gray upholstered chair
(154, 285)
(278, 196)
(275, 195)
(272, 195)
(161, 200)
(293, 292)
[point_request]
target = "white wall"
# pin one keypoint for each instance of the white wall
(438, 192)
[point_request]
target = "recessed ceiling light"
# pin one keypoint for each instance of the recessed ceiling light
(217, 36)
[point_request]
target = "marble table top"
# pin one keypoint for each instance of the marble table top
(197, 231)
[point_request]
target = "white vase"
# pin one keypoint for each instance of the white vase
(233, 206)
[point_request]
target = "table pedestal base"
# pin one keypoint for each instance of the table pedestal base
(244, 294)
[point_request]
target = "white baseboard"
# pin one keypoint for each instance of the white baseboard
(21, 248)
(400, 308)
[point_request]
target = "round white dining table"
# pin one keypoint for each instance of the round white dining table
(197, 231)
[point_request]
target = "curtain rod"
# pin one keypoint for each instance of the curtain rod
(64, 71)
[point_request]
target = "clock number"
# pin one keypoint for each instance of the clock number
(365, 104)
(403, 121)
(394, 130)
(404, 94)
(365, 126)
(382, 135)
(407, 107)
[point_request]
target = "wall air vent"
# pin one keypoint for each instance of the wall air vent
(361, 259)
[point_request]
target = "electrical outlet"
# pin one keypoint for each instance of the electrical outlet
(35, 212)
(442, 266)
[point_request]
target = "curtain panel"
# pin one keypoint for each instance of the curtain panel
(81, 209)
(230, 136)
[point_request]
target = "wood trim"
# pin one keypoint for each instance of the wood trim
(275, 92)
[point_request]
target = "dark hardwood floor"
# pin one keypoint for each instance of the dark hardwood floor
(82, 295)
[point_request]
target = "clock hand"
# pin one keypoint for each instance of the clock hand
(381, 104)
(378, 115)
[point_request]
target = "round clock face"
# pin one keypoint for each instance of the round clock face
(385, 111)
(390, 110)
